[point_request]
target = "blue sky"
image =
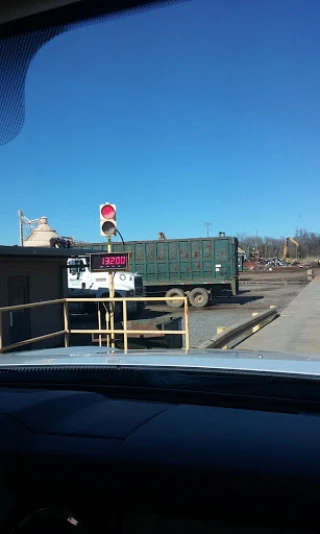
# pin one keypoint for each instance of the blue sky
(204, 111)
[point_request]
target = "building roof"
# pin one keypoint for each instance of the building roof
(45, 252)
(41, 252)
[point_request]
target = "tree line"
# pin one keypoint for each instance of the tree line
(272, 247)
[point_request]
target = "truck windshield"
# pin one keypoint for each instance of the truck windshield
(186, 138)
(76, 266)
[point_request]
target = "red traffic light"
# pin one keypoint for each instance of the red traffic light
(108, 211)
(108, 223)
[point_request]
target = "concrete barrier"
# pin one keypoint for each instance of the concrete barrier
(310, 274)
(229, 337)
(173, 341)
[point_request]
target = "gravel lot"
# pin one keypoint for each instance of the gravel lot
(204, 326)
(228, 311)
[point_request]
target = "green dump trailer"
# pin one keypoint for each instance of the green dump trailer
(176, 267)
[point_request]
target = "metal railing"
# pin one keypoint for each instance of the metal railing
(228, 338)
(109, 332)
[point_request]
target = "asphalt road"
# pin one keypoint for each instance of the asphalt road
(297, 328)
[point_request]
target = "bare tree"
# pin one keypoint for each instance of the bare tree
(272, 247)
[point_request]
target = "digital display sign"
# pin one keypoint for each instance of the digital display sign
(113, 261)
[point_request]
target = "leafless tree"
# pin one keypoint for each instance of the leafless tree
(272, 247)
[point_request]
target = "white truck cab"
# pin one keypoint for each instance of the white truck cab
(84, 283)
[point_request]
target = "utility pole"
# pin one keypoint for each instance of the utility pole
(207, 225)
(111, 295)
(20, 227)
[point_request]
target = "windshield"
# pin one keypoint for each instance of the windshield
(160, 181)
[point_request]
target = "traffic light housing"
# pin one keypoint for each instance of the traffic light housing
(108, 220)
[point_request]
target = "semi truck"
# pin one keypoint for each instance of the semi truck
(196, 268)
(83, 283)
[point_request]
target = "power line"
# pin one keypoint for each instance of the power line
(207, 225)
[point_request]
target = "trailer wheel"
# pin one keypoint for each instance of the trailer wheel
(175, 292)
(199, 297)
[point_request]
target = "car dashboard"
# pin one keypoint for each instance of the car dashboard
(95, 460)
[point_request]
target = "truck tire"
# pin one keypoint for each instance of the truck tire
(175, 292)
(199, 297)
(90, 308)
(118, 308)
(140, 309)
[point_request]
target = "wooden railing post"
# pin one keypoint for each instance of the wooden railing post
(125, 326)
(107, 319)
(66, 323)
(186, 324)
(99, 324)
(1, 333)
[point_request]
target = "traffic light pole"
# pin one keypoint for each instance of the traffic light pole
(108, 228)
(111, 295)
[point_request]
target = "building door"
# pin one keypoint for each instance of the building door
(19, 321)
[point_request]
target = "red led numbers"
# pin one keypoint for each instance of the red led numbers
(111, 261)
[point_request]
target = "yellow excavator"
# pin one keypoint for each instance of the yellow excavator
(286, 248)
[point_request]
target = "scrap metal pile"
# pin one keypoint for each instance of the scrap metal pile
(271, 264)
(265, 264)
(276, 262)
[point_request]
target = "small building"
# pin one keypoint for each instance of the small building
(27, 275)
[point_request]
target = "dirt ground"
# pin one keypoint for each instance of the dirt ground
(257, 292)
(280, 273)
(259, 297)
